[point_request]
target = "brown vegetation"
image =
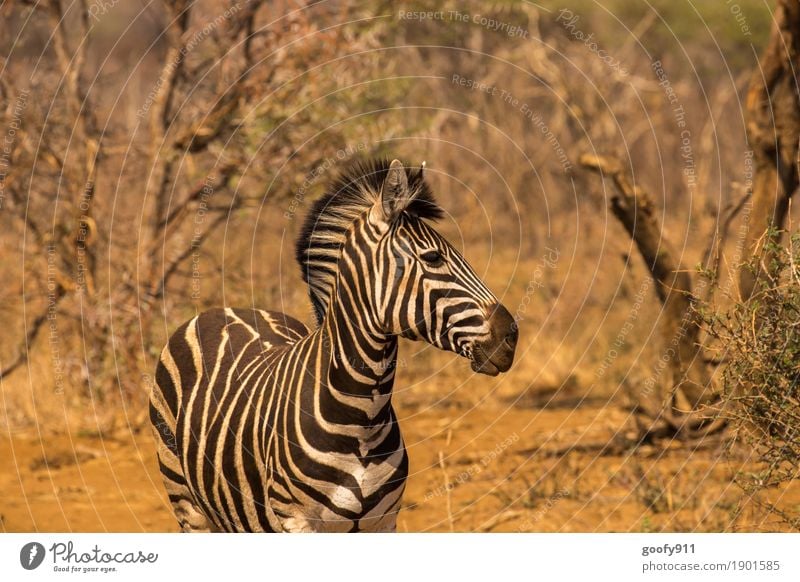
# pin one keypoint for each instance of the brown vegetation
(157, 163)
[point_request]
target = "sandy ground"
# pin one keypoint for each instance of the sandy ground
(491, 466)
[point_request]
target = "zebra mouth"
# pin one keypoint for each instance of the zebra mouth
(482, 363)
(487, 367)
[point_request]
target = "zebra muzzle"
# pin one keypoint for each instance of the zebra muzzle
(496, 354)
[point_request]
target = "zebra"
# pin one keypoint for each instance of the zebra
(262, 424)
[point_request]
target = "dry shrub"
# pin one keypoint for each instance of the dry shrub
(761, 348)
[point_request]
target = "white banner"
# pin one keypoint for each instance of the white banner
(383, 558)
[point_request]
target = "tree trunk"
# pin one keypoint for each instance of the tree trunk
(687, 374)
(773, 128)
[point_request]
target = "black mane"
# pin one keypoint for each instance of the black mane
(348, 196)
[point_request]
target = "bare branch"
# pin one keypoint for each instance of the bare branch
(712, 256)
(192, 248)
(688, 391)
(33, 331)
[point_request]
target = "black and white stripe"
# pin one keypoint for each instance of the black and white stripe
(264, 425)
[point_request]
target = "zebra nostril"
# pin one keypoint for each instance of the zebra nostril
(511, 338)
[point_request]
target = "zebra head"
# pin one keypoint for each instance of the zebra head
(432, 293)
(372, 226)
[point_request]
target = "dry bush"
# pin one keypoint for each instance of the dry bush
(760, 341)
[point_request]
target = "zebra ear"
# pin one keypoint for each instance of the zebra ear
(395, 193)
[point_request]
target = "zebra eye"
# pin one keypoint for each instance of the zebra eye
(433, 258)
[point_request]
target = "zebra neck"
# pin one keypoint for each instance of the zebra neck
(361, 361)
(362, 356)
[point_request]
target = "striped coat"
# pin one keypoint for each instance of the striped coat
(265, 425)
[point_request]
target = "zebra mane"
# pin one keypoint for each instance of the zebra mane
(350, 194)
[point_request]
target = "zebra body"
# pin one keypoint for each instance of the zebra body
(265, 425)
